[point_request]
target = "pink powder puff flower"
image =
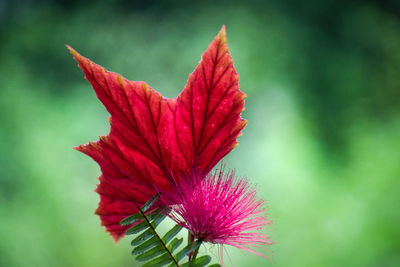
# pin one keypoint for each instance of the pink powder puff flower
(221, 209)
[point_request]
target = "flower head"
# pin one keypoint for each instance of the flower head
(221, 209)
(154, 142)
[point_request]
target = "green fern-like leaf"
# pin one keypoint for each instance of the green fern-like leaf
(153, 250)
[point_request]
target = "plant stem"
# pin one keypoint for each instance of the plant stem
(195, 253)
(190, 241)
(158, 237)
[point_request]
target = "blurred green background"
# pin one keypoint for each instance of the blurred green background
(322, 142)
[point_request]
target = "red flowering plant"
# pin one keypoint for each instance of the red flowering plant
(156, 161)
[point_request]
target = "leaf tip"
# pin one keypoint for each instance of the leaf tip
(120, 79)
(72, 51)
(79, 148)
(223, 29)
(235, 145)
(222, 34)
(145, 87)
(116, 238)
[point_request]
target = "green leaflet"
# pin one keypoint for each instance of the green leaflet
(142, 237)
(151, 253)
(146, 245)
(158, 219)
(186, 250)
(132, 219)
(153, 250)
(172, 233)
(199, 262)
(154, 213)
(160, 261)
(150, 202)
(174, 244)
(137, 228)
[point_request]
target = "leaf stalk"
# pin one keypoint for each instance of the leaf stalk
(158, 237)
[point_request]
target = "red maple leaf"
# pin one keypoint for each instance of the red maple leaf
(154, 141)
